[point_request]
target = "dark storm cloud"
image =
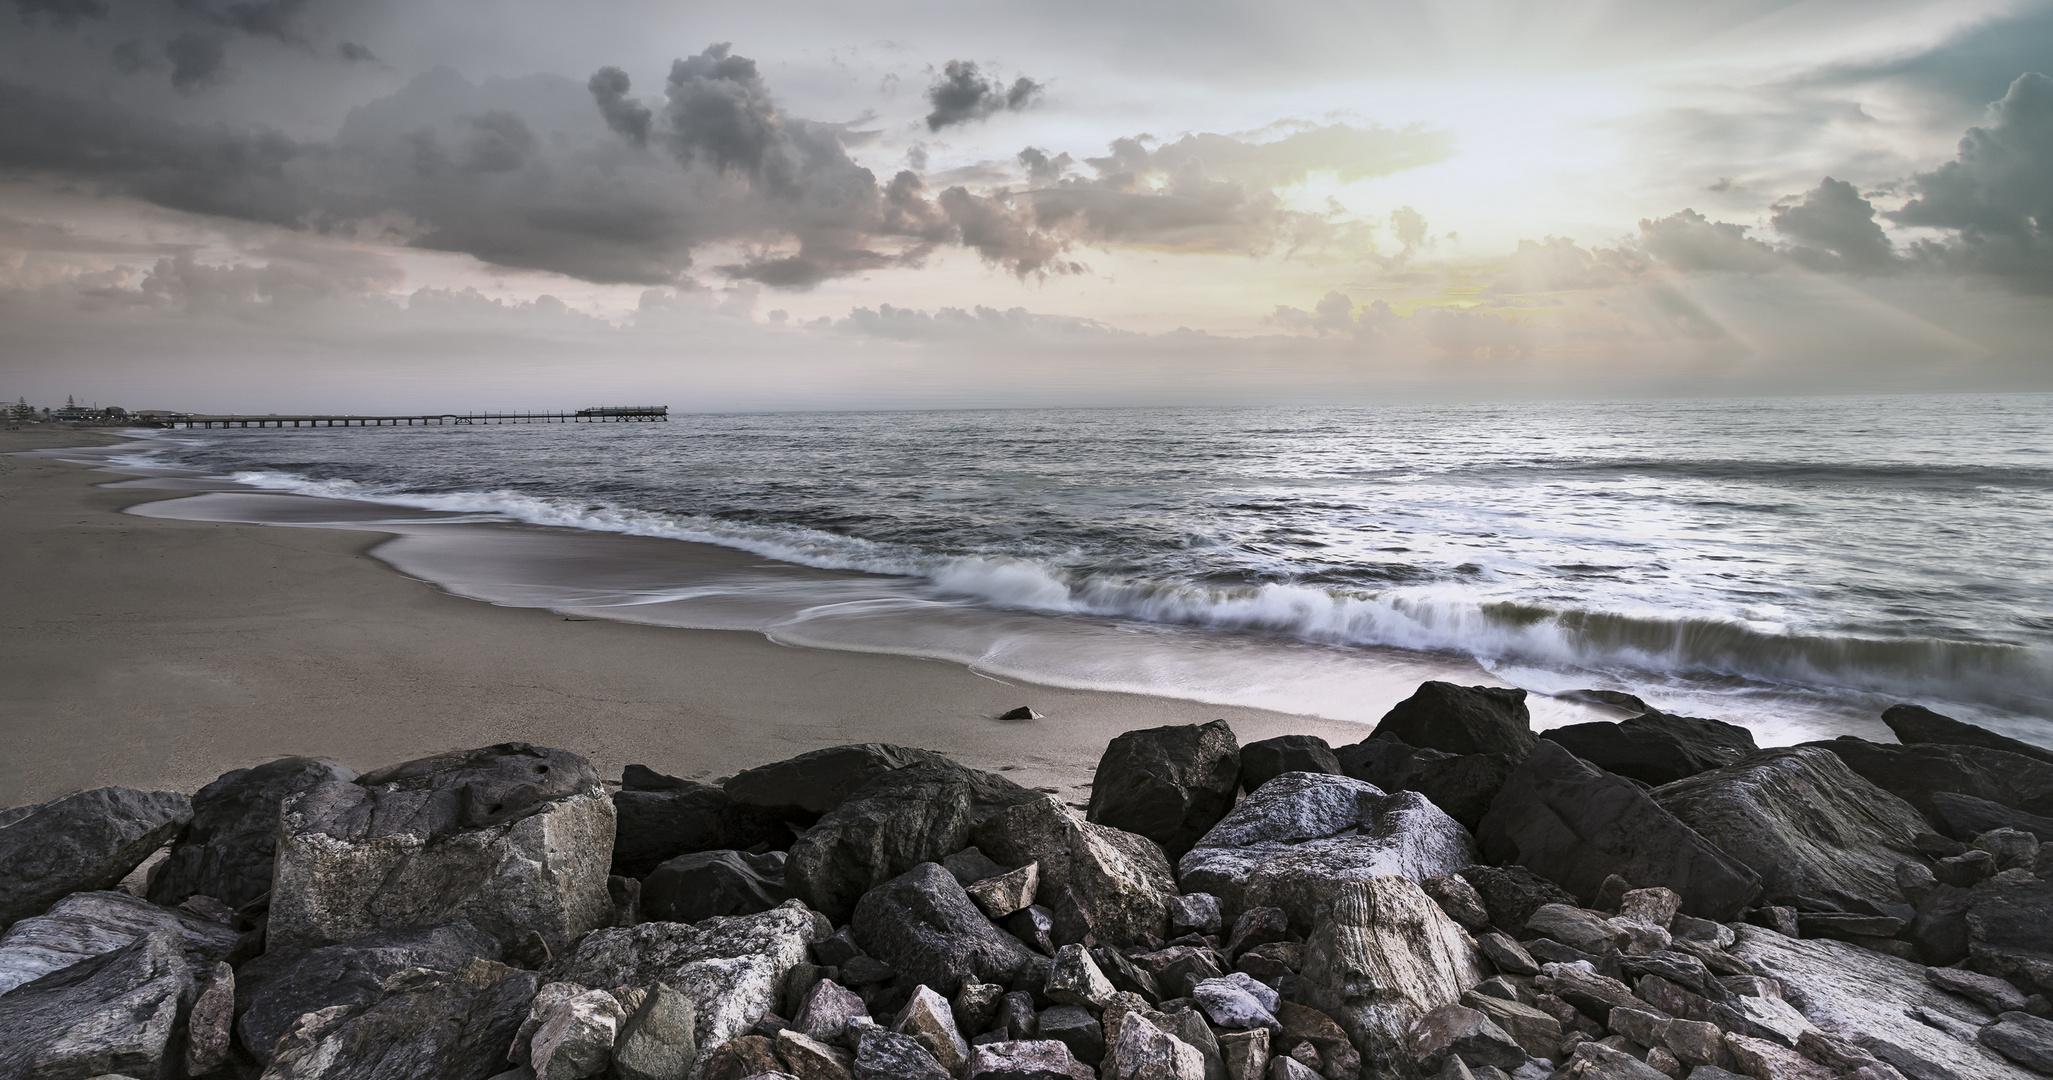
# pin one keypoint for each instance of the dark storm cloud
(61, 12)
(351, 51)
(1996, 196)
(195, 59)
(1970, 68)
(609, 87)
(1835, 229)
(962, 95)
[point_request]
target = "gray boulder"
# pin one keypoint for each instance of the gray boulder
(1577, 825)
(1291, 844)
(1512, 893)
(229, 850)
(84, 925)
(884, 1055)
(1879, 1003)
(1121, 878)
(82, 842)
(515, 839)
(924, 925)
(704, 884)
(1804, 822)
(1965, 817)
(1917, 724)
(660, 817)
(813, 783)
(658, 1041)
(2023, 1038)
(1261, 762)
(896, 821)
(1025, 1059)
(2013, 910)
(114, 1013)
(1382, 957)
(1464, 785)
(731, 969)
(1461, 720)
(430, 1025)
(1656, 748)
(272, 991)
(1169, 784)
(1917, 772)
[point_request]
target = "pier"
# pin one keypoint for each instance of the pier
(611, 414)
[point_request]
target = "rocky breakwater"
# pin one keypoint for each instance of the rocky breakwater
(1454, 897)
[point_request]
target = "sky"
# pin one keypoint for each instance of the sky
(309, 205)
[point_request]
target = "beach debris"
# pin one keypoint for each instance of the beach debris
(1654, 747)
(1024, 712)
(1461, 720)
(1261, 762)
(1123, 879)
(229, 850)
(1290, 842)
(1578, 825)
(1464, 785)
(1169, 784)
(79, 843)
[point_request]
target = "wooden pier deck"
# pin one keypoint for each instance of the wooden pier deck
(623, 414)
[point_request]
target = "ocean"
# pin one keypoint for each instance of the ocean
(1792, 564)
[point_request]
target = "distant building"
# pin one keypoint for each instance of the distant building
(16, 412)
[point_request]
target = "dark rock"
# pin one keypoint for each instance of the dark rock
(926, 928)
(1576, 824)
(1512, 893)
(1595, 1061)
(1261, 762)
(1121, 877)
(1024, 712)
(1461, 720)
(1306, 1027)
(1461, 784)
(2012, 848)
(867, 971)
(2022, 1038)
(662, 817)
(1989, 992)
(740, 1058)
(1966, 817)
(1656, 748)
(1536, 1032)
(1169, 784)
(1804, 822)
(837, 949)
(2012, 914)
(1550, 951)
(1458, 899)
(626, 894)
(1934, 846)
(115, 1013)
(1846, 926)
(1965, 870)
(1257, 926)
(657, 1042)
(210, 1025)
(1458, 1031)
(1915, 773)
(1000, 896)
(1034, 925)
(1591, 993)
(1287, 844)
(448, 1025)
(80, 843)
(708, 883)
(1196, 913)
(1125, 975)
(896, 821)
(514, 838)
(1270, 963)
(1582, 928)
(1070, 920)
(1177, 967)
(1075, 1028)
(274, 990)
(884, 1055)
(971, 866)
(1917, 724)
(84, 925)
(1509, 956)
(818, 781)
(228, 852)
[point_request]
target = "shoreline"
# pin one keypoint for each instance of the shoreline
(156, 652)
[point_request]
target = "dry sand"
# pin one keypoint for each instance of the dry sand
(160, 653)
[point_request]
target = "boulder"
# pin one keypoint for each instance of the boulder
(210, 1024)
(737, 1059)
(1804, 822)
(1461, 720)
(1074, 979)
(923, 924)
(575, 1037)
(1577, 825)
(1261, 762)
(1290, 844)
(1005, 893)
(1457, 1031)
(971, 866)
(1656, 748)
(1382, 957)
(1506, 955)
(657, 1042)
(1989, 992)
(228, 851)
(2023, 1038)
(1536, 1032)
(446, 1025)
(657, 818)
(928, 1020)
(272, 991)
(82, 842)
(84, 925)
(896, 821)
(731, 969)
(1596, 1061)
(1121, 878)
(1169, 784)
(1461, 784)
(813, 783)
(1246, 1053)
(1237, 1002)
(2012, 911)
(1512, 893)
(1864, 997)
(1026, 1059)
(810, 1059)
(1917, 724)
(704, 884)
(1073, 1026)
(516, 839)
(1581, 928)
(1917, 772)
(1306, 1030)
(1964, 816)
(114, 1013)
(827, 1012)
(1143, 1051)
(884, 1055)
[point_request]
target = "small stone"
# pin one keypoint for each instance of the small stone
(1966, 869)
(1509, 956)
(928, 1020)
(1778, 918)
(1764, 1060)
(1611, 893)
(1691, 928)
(1230, 1005)
(2011, 847)
(1195, 913)
(740, 1058)
(866, 971)
(1270, 963)
(1596, 1061)
(1246, 1053)
(1458, 899)
(976, 1005)
(576, 1038)
(1577, 927)
(1289, 1068)
(827, 1011)
(1537, 1032)
(836, 949)
(1070, 919)
(1016, 1015)
(1035, 1059)
(1076, 980)
(1125, 974)
(884, 1055)
(2023, 1038)
(210, 1030)
(1008, 892)
(1306, 1028)
(1143, 1051)
(1024, 712)
(810, 1059)
(1641, 1026)
(1257, 926)
(1695, 1042)
(1640, 939)
(1034, 925)
(657, 1041)
(1076, 1028)
(1661, 1061)
(1462, 1032)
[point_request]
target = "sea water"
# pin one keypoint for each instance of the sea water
(1794, 564)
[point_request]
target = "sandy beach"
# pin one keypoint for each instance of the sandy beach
(159, 653)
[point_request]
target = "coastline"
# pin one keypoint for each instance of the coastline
(159, 653)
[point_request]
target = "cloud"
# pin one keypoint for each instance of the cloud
(1687, 240)
(195, 59)
(630, 118)
(353, 52)
(1835, 229)
(61, 12)
(962, 95)
(1996, 196)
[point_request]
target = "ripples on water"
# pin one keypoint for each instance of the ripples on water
(1715, 551)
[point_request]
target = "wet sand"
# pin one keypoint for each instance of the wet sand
(158, 653)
